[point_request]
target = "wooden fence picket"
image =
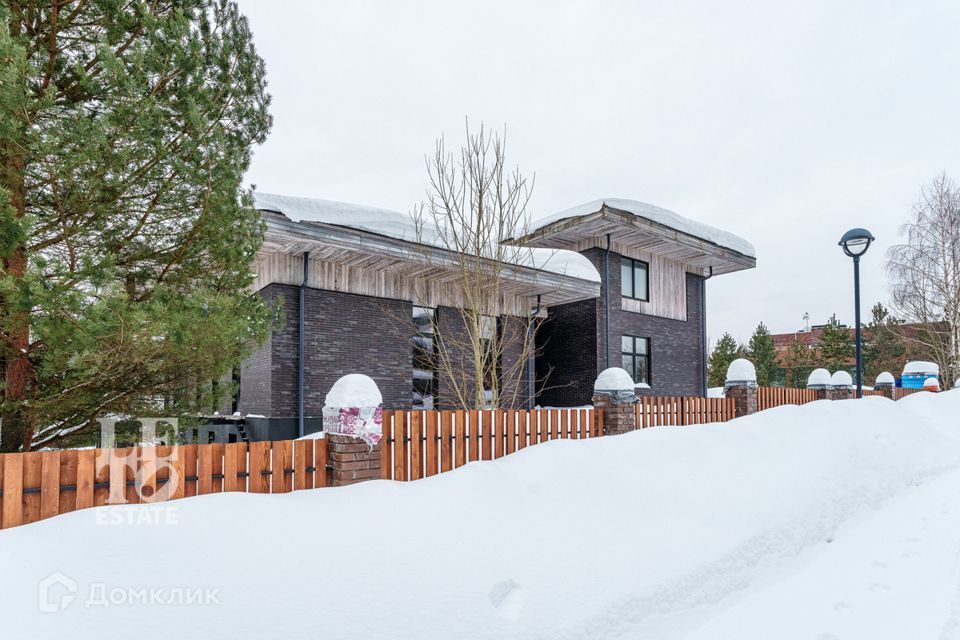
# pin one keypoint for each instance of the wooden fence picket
(416, 445)
(12, 490)
(460, 438)
(446, 441)
(431, 441)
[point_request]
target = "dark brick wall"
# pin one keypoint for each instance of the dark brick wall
(513, 365)
(345, 333)
(567, 354)
(256, 370)
(453, 331)
(677, 350)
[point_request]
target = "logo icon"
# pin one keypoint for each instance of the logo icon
(56, 592)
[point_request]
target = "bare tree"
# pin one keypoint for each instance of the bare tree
(925, 274)
(473, 202)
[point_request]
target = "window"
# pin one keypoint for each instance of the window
(424, 359)
(635, 354)
(634, 279)
(489, 331)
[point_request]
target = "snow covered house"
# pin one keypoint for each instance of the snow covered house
(618, 283)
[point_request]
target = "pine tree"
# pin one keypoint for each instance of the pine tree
(836, 348)
(724, 352)
(763, 353)
(884, 347)
(797, 363)
(125, 238)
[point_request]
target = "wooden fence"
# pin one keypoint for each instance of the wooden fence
(682, 410)
(418, 444)
(39, 485)
(770, 397)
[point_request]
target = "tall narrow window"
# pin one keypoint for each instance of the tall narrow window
(634, 279)
(635, 356)
(424, 359)
(489, 329)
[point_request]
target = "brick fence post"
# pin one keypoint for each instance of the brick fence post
(819, 381)
(741, 385)
(614, 394)
(841, 386)
(351, 460)
(885, 384)
(353, 426)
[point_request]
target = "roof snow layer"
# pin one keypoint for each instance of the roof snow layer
(394, 224)
(659, 215)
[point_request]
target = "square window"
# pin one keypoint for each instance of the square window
(634, 279)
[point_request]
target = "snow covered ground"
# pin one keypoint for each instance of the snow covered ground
(831, 520)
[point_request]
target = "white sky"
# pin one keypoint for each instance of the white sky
(785, 123)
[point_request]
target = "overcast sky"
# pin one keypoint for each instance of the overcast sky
(785, 124)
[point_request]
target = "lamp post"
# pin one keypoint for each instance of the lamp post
(855, 243)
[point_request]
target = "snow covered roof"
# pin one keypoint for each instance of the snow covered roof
(920, 367)
(399, 226)
(655, 229)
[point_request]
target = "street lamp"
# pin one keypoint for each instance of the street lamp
(855, 243)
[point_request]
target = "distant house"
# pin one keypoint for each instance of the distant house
(810, 337)
(619, 283)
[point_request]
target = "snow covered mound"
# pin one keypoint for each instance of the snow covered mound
(741, 370)
(614, 379)
(354, 390)
(819, 378)
(710, 530)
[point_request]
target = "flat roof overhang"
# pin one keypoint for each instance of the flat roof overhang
(357, 248)
(639, 233)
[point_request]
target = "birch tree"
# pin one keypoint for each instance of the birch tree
(925, 275)
(474, 201)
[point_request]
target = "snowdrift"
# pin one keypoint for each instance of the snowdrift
(646, 535)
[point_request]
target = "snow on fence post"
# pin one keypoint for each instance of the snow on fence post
(841, 386)
(615, 394)
(741, 385)
(353, 426)
(884, 384)
(819, 381)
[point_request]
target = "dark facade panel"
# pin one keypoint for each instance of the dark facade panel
(513, 373)
(573, 345)
(345, 333)
(567, 355)
(677, 351)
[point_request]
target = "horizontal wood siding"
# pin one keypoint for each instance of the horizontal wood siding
(379, 281)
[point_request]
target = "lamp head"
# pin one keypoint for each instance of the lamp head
(856, 242)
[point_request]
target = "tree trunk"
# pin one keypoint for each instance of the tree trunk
(17, 428)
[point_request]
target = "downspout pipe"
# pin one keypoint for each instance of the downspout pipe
(703, 327)
(302, 345)
(531, 366)
(606, 303)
